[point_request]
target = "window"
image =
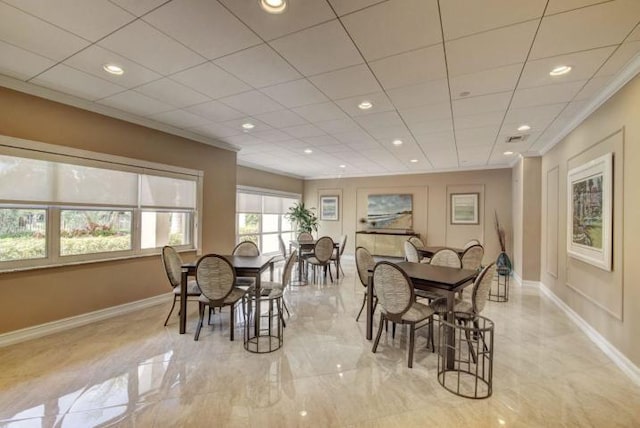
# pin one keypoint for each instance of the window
(58, 208)
(260, 218)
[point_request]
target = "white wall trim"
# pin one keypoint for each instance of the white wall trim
(515, 276)
(57, 326)
(620, 360)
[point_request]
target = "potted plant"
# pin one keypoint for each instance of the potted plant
(503, 263)
(303, 217)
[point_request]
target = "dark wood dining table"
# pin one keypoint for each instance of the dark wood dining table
(442, 280)
(309, 244)
(430, 251)
(251, 266)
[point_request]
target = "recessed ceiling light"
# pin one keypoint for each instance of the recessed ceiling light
(273, 6)
(365, 105)
(560, 70)
(397, 142)
(343, 166)
(413, 160)
(508, 153)
(308, 151)
(248, 125)
(524, 128)
(113, 69)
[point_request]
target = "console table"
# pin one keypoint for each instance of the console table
(390, 244)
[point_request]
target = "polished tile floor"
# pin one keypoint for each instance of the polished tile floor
(132, 371)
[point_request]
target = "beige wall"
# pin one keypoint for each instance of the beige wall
(608, 301)
(266, 180)
(526, 218)
(431, 195)
(38, 296)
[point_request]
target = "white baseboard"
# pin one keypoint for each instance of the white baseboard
(516, 277)
(52, 327)
(620, 360)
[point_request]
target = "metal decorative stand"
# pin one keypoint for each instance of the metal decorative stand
(470, 375)
(500, 293)
(269, 307)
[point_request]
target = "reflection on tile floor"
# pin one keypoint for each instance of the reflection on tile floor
(132, 371)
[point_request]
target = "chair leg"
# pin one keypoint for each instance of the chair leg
(375, 303)
(412, 339)
(285, 307)
(433, 346)
(375, 344)
(201, 312)
(364, 301)
(393, 330)
(330, 276)
(231, 321)
(471, 350)
(171, 311)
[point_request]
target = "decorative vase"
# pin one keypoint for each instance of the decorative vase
(503, 263)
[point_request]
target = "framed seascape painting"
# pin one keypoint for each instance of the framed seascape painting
(464, 208)
(390, 212)
(589, 207)
(329, 208)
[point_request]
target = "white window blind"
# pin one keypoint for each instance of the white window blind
(95, 186)
(167, 192)
(23, 179)
(248, 203)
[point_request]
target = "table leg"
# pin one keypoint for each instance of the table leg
(338, 264)
(271, 266)
(257, 317)
(370, 307)
(450, 345)
(183, 301)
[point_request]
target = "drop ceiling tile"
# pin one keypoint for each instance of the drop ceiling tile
(426, 113)
(271, 135)
(204, 26)
(180, 119)
(259, 126)
(320, 112)
(144, 44)
(66, 79)
(379, 100)
(489, 50)
(389, 133)
(21, 64)
(216, 130)
(481, 104)
(407, 97)
(394, 26)
(281, 119)
(252, 102)
(92, 59)
(342, 7)
(91, 20)
(32, 34)
(434, 126)
(215, 111)
(486, 82)
(557, 6)
(585, 28)
(296, 93)
(136, 103)
(348, 82)
(302, 131)
(318, 49)
(321, 140)
(300, 14)
(380, 120)
(293, 145)
(550, 94)
(436, 140)
(138, 7)
(170, 92)
(462, 18)
(477, 137)
(620, 58)
(244, 139)
(258, 66)
(411, 67)
(584, 65)
(338, 126)
(593, 88)
(634, 36)
(356, 138)
(211, 80)
(537, 117)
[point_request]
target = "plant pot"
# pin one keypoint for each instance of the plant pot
(503, 263)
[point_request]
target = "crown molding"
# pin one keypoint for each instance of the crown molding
(246, 164)
(71, 100)
(430, 171)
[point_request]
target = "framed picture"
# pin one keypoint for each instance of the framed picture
(589, 207)
(464, 208)
(390, 211)
(329, 208)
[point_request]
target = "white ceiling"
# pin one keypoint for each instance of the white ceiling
(451, 78)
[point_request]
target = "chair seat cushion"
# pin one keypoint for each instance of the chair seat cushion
(417, 312)
(192, 288)
(440, 306)
(427, 294)
(235, 295)
(314, 261)
(265, 293)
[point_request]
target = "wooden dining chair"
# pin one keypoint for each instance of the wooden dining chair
(364, 262)
(322, 256)
(471, 243)
(172, 264)
(472, 257)
(411, 253)
(446, 257)
(337, 253)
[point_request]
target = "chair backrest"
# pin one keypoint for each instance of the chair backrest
(323, 249)
(343, 243)
(288, 267)
(410, 252)
(215, 277)
(416, 241)
(172, 265)
(472, 257)
(246, 248)
(283, 248)
(481, 288)
(446, 257)
(471, 243)
(364, 262)
(393, 288)
(305, 236)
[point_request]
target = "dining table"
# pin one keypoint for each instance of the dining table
(442, 280)
(429, 251)
(308, 245)
(249, 266)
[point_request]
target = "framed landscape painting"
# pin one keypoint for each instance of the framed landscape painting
(589, 206)
(390, 211)
(464, 208)
(329, 208)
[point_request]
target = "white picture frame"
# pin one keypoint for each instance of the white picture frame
(329, 208)
(589, 212)
(464, 208)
